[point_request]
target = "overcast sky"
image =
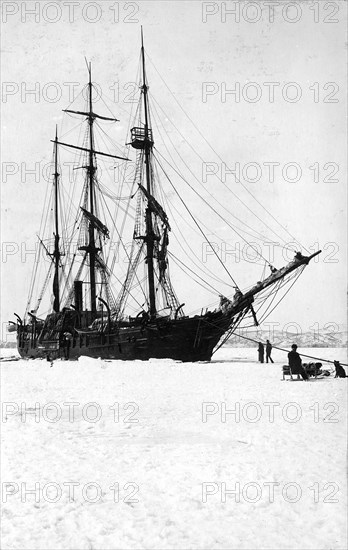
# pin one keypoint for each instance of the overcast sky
(203, 53)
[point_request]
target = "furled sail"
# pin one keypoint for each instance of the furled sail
(56, 292)
(155, 207)
(96, 222)
(162, 254)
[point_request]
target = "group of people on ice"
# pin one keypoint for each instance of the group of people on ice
(261, 351)
(295, 362)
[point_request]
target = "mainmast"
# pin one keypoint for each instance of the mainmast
(56, 253)
(148, 143)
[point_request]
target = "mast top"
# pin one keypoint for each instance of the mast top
(144, 87)
(141, 137)
(89, 69)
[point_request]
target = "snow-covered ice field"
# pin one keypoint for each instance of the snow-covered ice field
(147, 455)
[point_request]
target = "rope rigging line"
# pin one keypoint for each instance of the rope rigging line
(269, 292)
(274, 293)
(125, 250)
(79, 125)
(104, 190)
(216, 212)
(273, 289)
(176, 259)
(168, 207)
(210, 146)
(101, 137)
(200, 229)
(287, 351)
(33, 279)
(282, 298)
(78, 95)
(69, 291)
(123, 165)
(126, 210)
(257, 235)
(74, 231)
(48, 276)
(43, 225)
(260, 236)
(230, 190)
(207, 271)
(119, 103)
(79, 158)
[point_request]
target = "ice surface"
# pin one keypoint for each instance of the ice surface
(148, 432)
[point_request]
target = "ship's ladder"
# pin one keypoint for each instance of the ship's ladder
(138, 181)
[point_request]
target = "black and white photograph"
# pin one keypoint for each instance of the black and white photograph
(173, 360)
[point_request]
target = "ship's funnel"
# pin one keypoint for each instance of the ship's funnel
(78, 295)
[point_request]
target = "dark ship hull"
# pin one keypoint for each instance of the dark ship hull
(184, 339)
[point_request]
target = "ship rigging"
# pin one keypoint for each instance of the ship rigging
(91, 309)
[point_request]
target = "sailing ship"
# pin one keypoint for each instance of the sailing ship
(85, 315)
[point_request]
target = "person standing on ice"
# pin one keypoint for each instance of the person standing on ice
(268, 351)
(66, 345)
(261, 350)
(295, 363)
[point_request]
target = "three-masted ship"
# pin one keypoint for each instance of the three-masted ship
(85, 315)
